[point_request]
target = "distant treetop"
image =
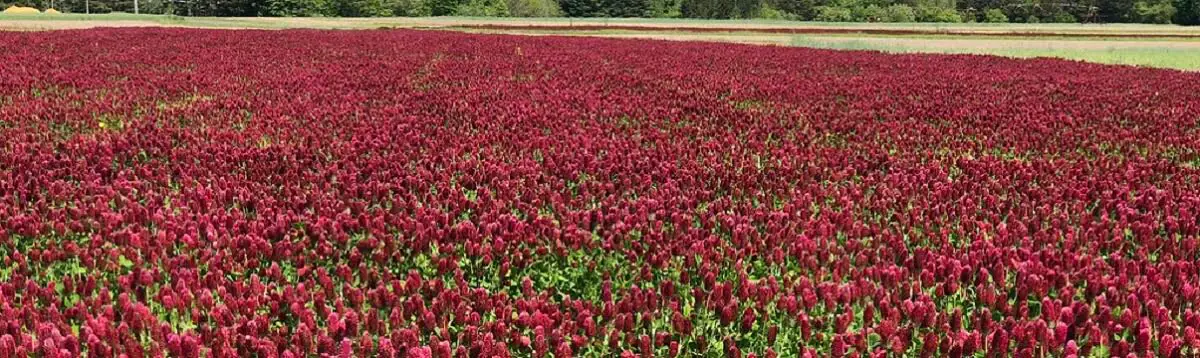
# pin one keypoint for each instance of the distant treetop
(1186, 12)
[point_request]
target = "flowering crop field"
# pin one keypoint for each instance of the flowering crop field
(211, 193)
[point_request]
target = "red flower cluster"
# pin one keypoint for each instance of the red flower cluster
(434, 194)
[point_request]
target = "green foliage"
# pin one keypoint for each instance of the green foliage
(611, 8)
(364, 8)
(834, 14)
(899, 13)
(1115, 10)
(1154, 12)
(300, 8)
(992, 11)
(583, 8)
(492, 8)
(883, 11)
(770, 12)
(444, 7)
(1066, 17)
(871, 13)
(1187, 12)
(410, 8)
(666, 8)
(74, 6)
(533, 8)
(721, 9)
(227, 7)
(152, 7)
(37, 4)
(996, 16)
(797, 9)
(627, 8)
(937, 14)
(144, 6)
(746, 9)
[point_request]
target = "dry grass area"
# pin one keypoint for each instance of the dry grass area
(44, 25)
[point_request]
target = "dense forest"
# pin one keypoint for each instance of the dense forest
(1026, 11)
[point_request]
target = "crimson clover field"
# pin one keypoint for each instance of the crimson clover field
(396, 193)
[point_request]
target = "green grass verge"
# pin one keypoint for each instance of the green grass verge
(1159, 57)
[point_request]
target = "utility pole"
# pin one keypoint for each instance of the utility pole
(135, 7)
(87, 7)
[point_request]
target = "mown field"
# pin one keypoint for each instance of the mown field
(1163, 46)
(216, 193)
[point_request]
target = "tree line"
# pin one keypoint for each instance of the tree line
(1185, 12)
